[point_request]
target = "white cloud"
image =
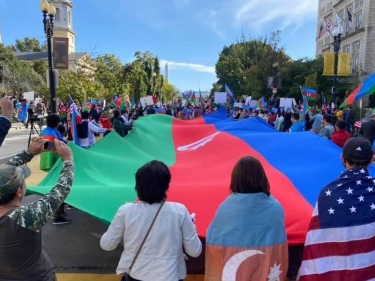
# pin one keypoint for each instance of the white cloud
(189, 66)
(261, 13)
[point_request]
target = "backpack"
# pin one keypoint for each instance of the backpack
(83, 130)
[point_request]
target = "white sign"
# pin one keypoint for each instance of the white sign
(248, 101)
(147, 100)
(238, 104)
(29, 96)
(286, 102)
(220, 97)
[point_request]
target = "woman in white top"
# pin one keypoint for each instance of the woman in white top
(161, 257)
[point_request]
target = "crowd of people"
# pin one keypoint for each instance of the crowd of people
(335, 124)
(162, 233)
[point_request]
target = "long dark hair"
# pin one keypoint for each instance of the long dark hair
(248, 176)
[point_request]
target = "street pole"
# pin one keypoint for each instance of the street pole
(336, 49)
(49, 9)
(52, 88)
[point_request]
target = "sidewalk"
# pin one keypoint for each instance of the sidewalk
(36, 174)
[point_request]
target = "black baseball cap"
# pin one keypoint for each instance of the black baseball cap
(358, 150)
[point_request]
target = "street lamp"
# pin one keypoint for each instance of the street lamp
(336, 48)
(50, 10)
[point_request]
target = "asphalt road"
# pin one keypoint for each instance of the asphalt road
(75, 247)
(15, 141)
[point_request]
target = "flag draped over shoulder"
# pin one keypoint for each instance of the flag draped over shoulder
(340, 243)
(243, 247)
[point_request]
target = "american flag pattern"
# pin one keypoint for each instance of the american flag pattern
(358, 124)
(340, 243)
(322, 31)
(71, 105)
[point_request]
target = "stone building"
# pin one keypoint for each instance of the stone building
(358, 33)
(63, 28)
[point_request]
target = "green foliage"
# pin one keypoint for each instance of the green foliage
(246, 65)
(29, 45)
(168, 91)
(16, 75)
(80, 86)
(109, 72)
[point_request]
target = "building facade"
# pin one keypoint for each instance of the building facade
(358, 32)
(63, 28)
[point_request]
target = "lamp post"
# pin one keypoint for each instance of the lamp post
(336, 48)
(49, 12)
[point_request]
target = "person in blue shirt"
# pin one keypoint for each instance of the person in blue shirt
(298, 125)
(51, 132)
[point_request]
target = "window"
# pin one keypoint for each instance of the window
(69, 18)
(358, 23)
(57, 15)
(355, 65)
(356, 45)
(346, 49)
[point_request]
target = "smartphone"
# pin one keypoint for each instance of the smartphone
(49, 146)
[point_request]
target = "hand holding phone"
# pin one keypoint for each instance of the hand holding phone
(49, 146)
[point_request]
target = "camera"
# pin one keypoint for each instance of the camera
(33, 118)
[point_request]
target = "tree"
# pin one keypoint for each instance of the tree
(308, 73)
(215, 88)
(110, 73)
(15, 75)
(246, 65)
(29, 45)
(168, 91)
(80, 86)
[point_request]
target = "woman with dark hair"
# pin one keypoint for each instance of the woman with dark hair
(154, 232)
(248, 228)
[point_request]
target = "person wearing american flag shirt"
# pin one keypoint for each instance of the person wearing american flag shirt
(340, 243)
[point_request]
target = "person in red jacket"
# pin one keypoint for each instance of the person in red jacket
(340, 136)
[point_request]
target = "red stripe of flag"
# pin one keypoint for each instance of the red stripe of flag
(322, 250)
(341, 275)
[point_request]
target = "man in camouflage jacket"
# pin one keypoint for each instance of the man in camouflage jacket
(21, 251)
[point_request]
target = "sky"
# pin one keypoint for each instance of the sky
(188, 34)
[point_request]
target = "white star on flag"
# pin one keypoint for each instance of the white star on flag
(349, 190)
(362, 171)
(369, 177)
(361, 198)
(341, 201)
(331, 211)
(370, 189)
(372, 206)
(339, 184)
(359, 182)
(352, 209)
(274, 273)
(328, 193)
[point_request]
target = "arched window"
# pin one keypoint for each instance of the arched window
(57, 15)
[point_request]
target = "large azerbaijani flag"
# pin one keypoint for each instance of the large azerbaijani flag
(201, 154)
